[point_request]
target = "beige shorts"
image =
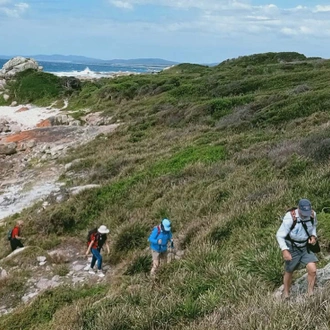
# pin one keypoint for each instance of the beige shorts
(158, 256)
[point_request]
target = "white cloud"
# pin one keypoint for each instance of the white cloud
(122, 4)
(13, 10)
(186, 4)
(234, 18)
(224, 17)
(319, 9)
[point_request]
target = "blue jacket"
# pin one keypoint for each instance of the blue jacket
(165, 236)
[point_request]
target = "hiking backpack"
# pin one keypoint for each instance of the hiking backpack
(9, 234)
(294, 218)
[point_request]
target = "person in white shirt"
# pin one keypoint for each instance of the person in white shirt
(297, 229)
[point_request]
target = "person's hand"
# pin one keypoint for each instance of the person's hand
(159, 242)
(312, 240)
(287, 255)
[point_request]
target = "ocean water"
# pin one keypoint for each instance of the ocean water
(91, 70)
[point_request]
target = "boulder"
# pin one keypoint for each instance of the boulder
(18, 64)
(3, 273)
(8, 149)
(2, 84)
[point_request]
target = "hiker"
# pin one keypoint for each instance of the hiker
(298, 228)
(159, 238)
(97, 240)
(15, 240)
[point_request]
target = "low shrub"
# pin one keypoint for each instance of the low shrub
(265, 262)
(61, 269)
(32, 86)
(131, 237)
(42, 309)
(141, 264)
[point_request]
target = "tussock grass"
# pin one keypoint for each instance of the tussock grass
(223, 152)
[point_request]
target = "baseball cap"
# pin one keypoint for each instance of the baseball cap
(305, 207)
(167, 224)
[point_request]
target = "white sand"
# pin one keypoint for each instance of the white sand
(26, 119)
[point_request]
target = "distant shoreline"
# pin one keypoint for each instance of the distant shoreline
(93, 70)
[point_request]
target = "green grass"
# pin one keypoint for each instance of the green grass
(223, 152)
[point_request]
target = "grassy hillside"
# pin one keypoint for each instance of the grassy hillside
(222, 152)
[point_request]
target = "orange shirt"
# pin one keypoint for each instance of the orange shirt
(15, 232)
(94, 237)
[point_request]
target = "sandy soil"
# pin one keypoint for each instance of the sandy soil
(26, 116)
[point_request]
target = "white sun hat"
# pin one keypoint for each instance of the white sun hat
(103, 230)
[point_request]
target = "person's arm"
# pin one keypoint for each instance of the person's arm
(313, 237)
(107, 247)
(153, 237)
(314, 226)
(89, 247)
(283, 231)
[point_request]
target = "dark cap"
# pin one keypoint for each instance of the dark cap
(305, 207)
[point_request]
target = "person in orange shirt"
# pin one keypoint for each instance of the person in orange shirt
(16, 237)
(97, 240)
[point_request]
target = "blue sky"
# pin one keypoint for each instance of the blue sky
(199, 31)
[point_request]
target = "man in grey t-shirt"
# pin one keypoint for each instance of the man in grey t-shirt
(297, 229)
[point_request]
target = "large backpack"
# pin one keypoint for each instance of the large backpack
(9, 234)
(294, 218)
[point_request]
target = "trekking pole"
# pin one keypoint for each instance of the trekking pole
(172, 250)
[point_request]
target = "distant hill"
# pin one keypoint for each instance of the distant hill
(90, 60)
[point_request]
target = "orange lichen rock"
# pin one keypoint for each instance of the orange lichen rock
(22, 109)
(44, 123)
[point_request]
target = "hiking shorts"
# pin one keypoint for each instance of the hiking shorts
(300, 256)
(159, 256)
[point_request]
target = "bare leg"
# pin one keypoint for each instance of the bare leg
(311, 277)
(287, 280)
(163, 258)
(155, 265)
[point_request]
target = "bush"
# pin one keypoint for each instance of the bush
(32, 86)
(61, 269)
(130, 237)
(264, 262)
(141, 264)
(317, 147)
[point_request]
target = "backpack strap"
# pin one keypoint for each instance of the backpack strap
(294, 219)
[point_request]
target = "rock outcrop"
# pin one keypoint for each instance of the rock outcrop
(18, 64)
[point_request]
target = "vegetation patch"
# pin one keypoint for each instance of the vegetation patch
(223, 152)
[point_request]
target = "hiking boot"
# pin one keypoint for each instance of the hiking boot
(91, 271)
(100, 273)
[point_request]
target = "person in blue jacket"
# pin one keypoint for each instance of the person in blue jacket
(159, 238)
